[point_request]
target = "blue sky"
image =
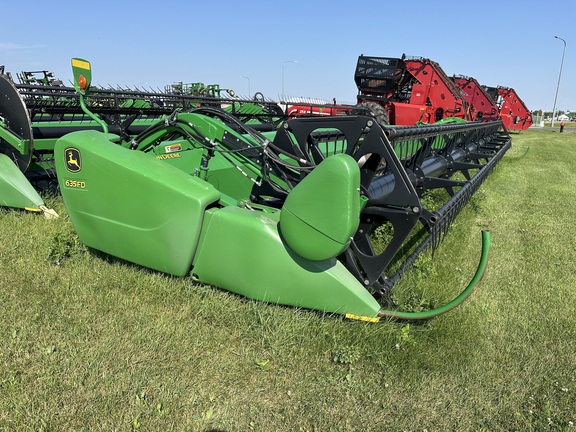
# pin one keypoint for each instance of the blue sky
(154, 43)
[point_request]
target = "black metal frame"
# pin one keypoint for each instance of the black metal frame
(398, 166)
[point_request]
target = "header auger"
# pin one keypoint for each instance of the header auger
(284, 216)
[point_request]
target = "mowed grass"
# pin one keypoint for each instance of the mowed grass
(91, 343)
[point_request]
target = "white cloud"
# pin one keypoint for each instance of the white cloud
(6, 46)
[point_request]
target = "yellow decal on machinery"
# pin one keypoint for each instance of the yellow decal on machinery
(73, 160)
(80, 64)
(168, 156)
(362, 318)
(75, 184)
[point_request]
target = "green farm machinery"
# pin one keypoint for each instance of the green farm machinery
(200, 89)
(39, 109)
(286, 215)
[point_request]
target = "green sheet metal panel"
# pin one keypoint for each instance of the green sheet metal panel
(129, 204)
(322, 213)
(15, 190)
(242, 251)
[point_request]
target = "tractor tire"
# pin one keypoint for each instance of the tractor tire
(375, 110)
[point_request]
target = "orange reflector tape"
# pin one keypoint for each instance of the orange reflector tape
(81, 64)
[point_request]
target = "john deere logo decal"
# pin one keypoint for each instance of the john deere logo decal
(73, 161)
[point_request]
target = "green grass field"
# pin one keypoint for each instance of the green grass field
(89, 343)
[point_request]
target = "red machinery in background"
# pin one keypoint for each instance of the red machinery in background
(410, 90)
(482, 104)
(397, 91)
(513, 112)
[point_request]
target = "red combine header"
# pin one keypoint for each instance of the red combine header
(398, 91)
(513, 112)
(305, 109)
(482, 105)
(411, 90)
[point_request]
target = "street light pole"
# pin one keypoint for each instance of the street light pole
(249, 92)
(559, 75)
(287, 61)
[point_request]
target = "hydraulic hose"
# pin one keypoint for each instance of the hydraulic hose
(525, 153)
(456, 301)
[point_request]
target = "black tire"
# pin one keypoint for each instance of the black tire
(375, 110)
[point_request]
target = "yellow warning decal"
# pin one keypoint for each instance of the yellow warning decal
(362, 318)
(81, 64)
(168, 156)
